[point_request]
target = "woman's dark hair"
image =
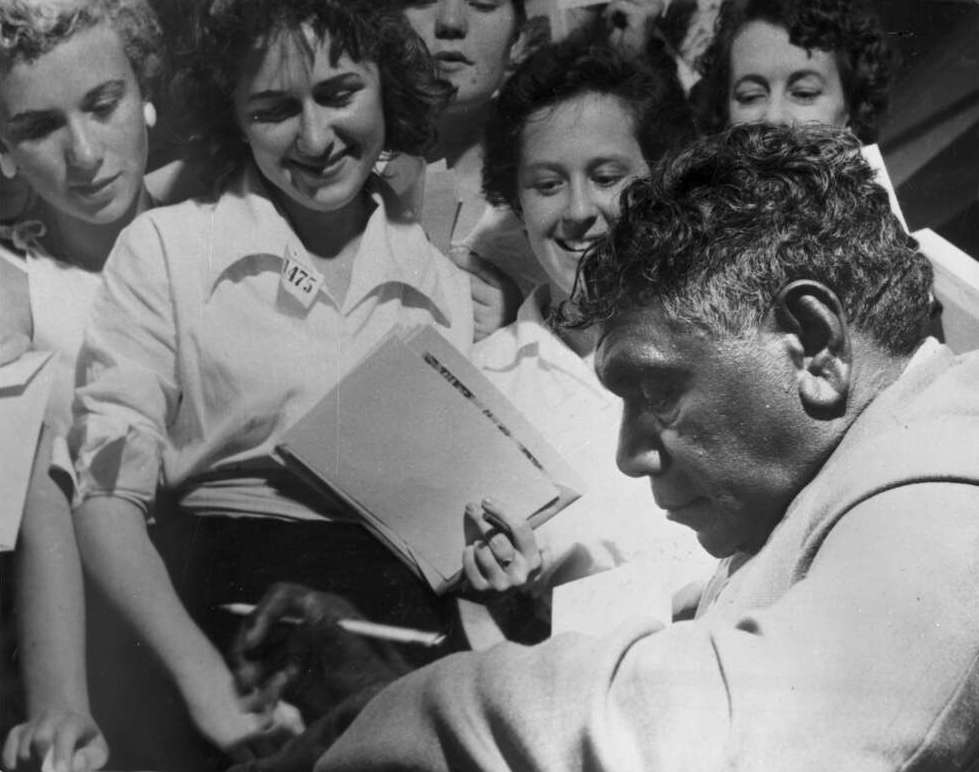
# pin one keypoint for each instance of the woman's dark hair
(227, 30)
(519, 6)
(648, 89)
(849, 29)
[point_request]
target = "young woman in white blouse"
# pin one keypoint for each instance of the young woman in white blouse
(572, 126)
(202, 351)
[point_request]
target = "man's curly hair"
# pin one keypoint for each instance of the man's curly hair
(31, 28)
(724, 225)
(227, 30)
(849, 29)
(648, 90)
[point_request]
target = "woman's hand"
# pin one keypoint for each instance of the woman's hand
(235, 726)
(12, 345)
(495, 296)
(505, 556)
(69, 741)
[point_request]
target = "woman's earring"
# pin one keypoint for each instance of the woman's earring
(149, 114)
(8, 168)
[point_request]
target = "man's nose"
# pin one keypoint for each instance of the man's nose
(640, 453)
(452, 19)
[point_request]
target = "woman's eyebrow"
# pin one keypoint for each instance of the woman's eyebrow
(270, 93)
(114, 87)
(340, 79)
(758, 80)
(802, 74)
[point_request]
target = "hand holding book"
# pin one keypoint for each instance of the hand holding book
(504, 554)
(409, 436)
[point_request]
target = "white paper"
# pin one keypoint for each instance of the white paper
(597, 604)
(22, 408)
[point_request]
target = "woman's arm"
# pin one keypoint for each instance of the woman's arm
(50, 610)
(125, 566)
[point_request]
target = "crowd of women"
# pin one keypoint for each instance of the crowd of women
(427, 163)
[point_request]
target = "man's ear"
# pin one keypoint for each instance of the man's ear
(812, 317)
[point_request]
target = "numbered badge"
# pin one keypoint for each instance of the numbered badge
(299, 279)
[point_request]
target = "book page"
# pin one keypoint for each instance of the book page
(24, 389)
(599, 603)
(400, 442)
(957, 289)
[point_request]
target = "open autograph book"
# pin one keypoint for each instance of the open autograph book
(411, 435)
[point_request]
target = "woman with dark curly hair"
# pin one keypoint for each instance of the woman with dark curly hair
(572, 126)
(787, 61)
(222, 321)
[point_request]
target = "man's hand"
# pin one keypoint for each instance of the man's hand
(504, 555)
(292, 646)
(68, 741)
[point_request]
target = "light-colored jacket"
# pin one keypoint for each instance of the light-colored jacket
(850, 641)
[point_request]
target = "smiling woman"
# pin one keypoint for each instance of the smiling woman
(571, 128)
(202, 350)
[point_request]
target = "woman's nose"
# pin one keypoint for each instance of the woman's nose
(776, 112)
(451, 20)
(83, 151)
(316, 134)
(582, 209)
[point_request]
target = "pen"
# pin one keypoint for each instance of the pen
(357, 627)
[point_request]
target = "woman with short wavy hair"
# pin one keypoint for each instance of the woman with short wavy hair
(785, 61)
(224, 320)
(76, 80)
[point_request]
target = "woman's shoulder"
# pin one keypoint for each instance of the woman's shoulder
(174, 182)
(171, 226)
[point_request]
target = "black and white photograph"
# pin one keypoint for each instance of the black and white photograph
(489, 385)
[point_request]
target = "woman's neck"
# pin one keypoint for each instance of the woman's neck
(86, 244)
(332, 237)
(460, 134)
(327, 235)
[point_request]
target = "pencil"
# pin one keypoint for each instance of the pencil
(357, 627)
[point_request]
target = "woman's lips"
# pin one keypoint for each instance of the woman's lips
(319, 170)
(451, 61)
(95, 187)
(574, 245)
